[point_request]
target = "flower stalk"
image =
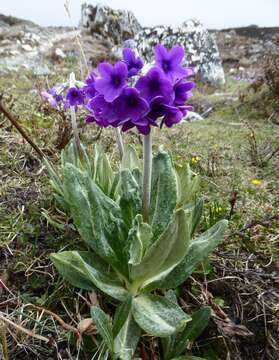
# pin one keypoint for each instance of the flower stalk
(147, 169)
(74, 121)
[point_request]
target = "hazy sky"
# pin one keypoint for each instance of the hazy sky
(214, 13)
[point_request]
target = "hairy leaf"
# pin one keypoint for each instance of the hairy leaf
(188, 358)
(166, 252)
(130, 159)
(139, 239)
(97, 217)
(157, 315)
(126, 341)
(188, 184)
(103, 174)
(196, 215)
(83, 269)
(103, 325)
(121, 315)
(163, 193)
(68, 265)
(130, 200)
(199, 249)
(192, 330)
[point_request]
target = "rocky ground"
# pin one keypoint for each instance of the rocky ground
(244, 50)
(22, 43)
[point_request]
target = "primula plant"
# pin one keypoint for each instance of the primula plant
(138, 222)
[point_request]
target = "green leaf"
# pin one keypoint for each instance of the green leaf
(126, 341)
(97, 218)
(166, 252)
(139, 237)
(199, 249)
(188, 184)
(199, 322)
(196, 215)
(157, 315)
(188, 358)
(170, 295)
(114, 192)
(103, 325)
(130, 200)
(130, 159)
(61, 203)
(70, 155)
(103, 174)
(121, 316)
(137, 174)
(85, 270)
(192, 330)
(163, 193)
(55, 180)
(168, 342)
(69, 267)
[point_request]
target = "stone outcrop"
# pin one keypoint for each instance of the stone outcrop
(201, 50)
(117, 25)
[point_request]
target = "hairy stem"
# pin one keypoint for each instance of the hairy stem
(74, 121)
(147, 169)
(119, 140)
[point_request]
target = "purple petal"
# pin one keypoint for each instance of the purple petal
(121, 69)
(176, 54)
(144, 130)
(129, 55)
(127, 126)
(105, 69)
(161, 53)
(104, 87)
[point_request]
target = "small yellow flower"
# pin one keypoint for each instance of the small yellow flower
(195, 160)
(256, 182)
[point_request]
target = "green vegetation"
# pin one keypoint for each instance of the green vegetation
(234, 152)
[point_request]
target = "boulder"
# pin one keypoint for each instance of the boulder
(118, 25)
(201, 50)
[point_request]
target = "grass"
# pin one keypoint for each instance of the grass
(239, 281)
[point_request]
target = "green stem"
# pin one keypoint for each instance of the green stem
(119, 140)
(147, 169)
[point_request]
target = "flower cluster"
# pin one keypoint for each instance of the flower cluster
(54, 96)
(118, 96)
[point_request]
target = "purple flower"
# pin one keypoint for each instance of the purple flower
(89, 88)
(168, 114)
(157, 98)
(102, 112)
(75, 96)
(112, 81)
(130, 105)
(170, 62)
(52, 97)
(153, 84)
(157, 108)
(182, 90)
(172, 116)
(143, 125)
(134, 64)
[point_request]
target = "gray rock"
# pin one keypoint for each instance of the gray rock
(118, 25)
(193, 116)
(41, 70)
(201, 50)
